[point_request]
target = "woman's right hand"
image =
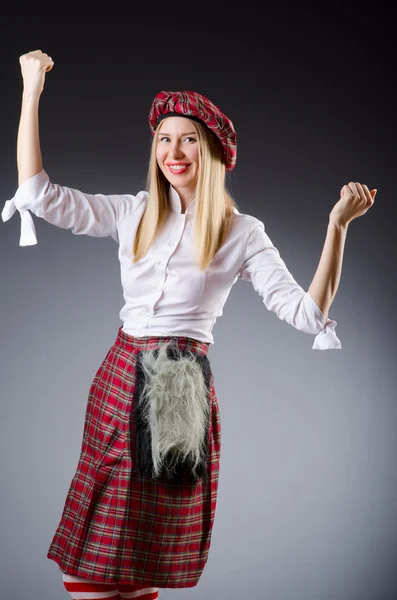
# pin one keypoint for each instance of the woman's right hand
(34, 66)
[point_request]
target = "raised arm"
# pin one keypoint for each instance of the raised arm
(96, 215)
(34, 66)
(306, 311)
(355, 200)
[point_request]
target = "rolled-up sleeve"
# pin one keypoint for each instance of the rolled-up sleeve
(270, 277)
(95, 215)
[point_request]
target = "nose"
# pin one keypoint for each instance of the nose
(176, 150)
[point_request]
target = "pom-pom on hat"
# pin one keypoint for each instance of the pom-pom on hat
(195, 106)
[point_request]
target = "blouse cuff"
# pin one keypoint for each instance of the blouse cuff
(28, 231)
(29, 189)
(326, 339)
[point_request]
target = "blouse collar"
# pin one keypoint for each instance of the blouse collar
(176, 204)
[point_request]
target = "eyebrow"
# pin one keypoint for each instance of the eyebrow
(190, 133)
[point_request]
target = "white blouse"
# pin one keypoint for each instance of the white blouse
(165, 293)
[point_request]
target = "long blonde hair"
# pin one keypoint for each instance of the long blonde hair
(214, 205)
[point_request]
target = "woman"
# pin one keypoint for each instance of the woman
(140, 509)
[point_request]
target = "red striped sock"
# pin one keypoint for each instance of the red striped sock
(128, 592)
(85, 589)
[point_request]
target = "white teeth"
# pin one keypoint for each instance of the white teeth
(177, 167)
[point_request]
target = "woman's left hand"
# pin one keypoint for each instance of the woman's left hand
(355, 200)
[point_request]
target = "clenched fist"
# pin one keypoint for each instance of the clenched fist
(34, 66)
(355, 200)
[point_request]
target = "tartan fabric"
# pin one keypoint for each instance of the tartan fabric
(118, 526)
(192, 104)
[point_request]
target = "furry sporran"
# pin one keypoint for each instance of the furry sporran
(172, 412)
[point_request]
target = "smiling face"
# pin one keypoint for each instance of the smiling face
(177, 154)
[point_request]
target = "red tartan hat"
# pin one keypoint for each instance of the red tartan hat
(195, 106)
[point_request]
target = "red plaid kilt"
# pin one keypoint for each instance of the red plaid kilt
(117, 526)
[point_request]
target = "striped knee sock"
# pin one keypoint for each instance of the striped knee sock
(137, 591)
(85, 589)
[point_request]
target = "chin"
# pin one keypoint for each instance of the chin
(180, 181)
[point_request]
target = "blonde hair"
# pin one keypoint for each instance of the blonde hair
(214, 206)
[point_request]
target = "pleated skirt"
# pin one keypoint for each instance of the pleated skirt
(118, 526)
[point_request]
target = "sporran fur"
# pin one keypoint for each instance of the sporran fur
(172, 412)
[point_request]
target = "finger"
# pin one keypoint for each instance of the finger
(353, 188)
(30, 54)
(361, 192)
(346, 190)
(368, 194)
(366, 190)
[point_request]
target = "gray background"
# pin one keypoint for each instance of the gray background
(308, 484)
